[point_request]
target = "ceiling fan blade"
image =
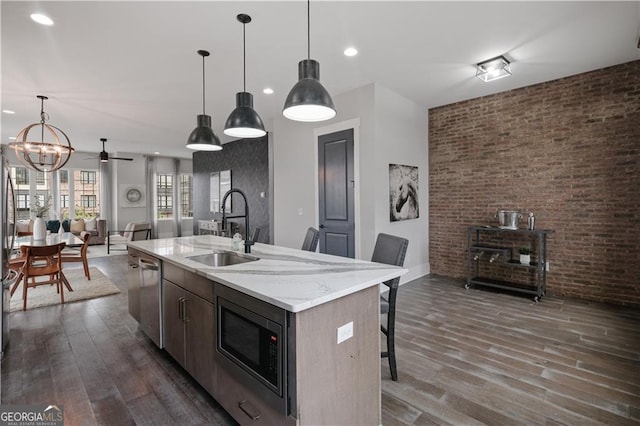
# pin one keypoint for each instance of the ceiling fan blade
(121, 158)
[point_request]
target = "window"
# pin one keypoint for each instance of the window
(186, 199)
(165, 202)
(84, 193)
(21, 175)
(40, 178)
(88, 201)
(165, 181)
(22, 201)
(88, 177)
(165, 196)
(78, 191)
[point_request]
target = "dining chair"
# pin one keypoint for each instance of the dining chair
(391, 250)
(17, 264)
(311, 239)
(43, 262)
(68, 257)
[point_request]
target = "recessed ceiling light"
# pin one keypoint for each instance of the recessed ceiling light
(8, 111)
(267, 91)
(350, 51)
(157, 153)
(41, 19)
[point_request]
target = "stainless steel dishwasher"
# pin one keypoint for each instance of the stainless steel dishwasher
(133, 283)
(150, 297)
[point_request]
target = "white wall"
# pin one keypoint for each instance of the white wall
(401, 138)
(131, 173)
(392, 129)
(293, 182)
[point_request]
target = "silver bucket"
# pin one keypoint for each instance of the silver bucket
(508, 219)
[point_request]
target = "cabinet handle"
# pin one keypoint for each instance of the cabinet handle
(180, 308)
(248, 410)
(185, 317)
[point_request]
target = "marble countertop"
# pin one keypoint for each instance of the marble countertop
(291, 279)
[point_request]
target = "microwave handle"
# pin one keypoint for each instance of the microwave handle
(249, 409)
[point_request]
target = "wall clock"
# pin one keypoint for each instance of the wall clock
(132, 195)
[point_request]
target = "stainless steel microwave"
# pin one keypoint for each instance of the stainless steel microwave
(252, 344)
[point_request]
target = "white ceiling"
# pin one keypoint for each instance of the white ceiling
(129, 71)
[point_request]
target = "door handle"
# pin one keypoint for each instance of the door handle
(321, 226)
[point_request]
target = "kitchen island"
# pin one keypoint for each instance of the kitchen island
(321, 314)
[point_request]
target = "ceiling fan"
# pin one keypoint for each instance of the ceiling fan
(104, 155)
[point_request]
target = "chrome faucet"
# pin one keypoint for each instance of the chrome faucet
(247, 241)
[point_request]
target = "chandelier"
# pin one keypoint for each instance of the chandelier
(46, 153)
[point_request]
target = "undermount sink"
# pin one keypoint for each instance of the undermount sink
(223, 258)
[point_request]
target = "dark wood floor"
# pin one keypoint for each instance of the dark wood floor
(465, 357)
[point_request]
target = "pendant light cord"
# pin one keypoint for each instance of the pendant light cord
(203, 89)
(244, 58)
(308, 29)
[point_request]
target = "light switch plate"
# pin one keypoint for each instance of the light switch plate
(345, 332)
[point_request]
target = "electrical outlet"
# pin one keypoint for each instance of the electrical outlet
(345, 332)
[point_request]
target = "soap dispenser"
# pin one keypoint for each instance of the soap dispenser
(237, 241)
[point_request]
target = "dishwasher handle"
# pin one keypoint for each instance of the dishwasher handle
(148, 264)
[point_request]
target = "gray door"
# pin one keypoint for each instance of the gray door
(335, 189)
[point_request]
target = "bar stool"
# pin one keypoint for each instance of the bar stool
(391, 250)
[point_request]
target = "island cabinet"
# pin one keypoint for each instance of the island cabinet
(332, 376)
(289, 337)
(190, 323)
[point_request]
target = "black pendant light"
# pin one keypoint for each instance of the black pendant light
(308, 100)
(244, 121)
(203, 138)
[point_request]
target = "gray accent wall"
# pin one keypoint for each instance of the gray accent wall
(248, 160)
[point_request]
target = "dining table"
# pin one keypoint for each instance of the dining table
(70, 240)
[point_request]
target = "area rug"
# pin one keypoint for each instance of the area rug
(45, 295)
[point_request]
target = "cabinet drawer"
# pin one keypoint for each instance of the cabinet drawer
(244, 406)
(172, 273)
(196, 284)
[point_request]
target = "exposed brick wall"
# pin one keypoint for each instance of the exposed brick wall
(568, 150)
